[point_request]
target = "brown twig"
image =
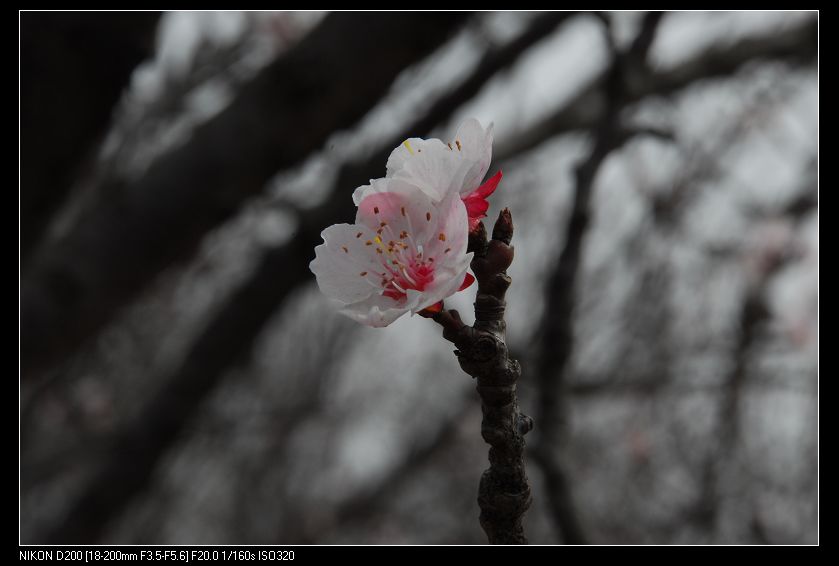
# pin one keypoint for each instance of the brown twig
(504, 491)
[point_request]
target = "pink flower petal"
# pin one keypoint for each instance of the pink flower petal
(476, 202)
(489, 187)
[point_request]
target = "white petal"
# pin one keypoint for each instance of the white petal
(450, 230)
(438, 168)
(375, 186)
(408, 149)
(338, 272)
(476, 150)
(387, 185)
(402, 207)
(381, 185)
(359, 194)
(378, 310)
(437, 171)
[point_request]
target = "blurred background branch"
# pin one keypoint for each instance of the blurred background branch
(92, 56)
(555, 338)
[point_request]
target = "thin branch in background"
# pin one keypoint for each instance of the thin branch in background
(136, 129)
(755, 312)
(555, 332)
(666, 209)
(797, 45)
(216, 66)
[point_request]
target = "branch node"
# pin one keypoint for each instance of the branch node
(524, 424)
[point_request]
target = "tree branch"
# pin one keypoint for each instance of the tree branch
(504, 491)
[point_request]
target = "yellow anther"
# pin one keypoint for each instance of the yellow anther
(407, 145)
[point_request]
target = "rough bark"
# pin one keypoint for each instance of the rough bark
(504, 490)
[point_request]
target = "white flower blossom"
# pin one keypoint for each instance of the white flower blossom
(404, 253)
(441, 168)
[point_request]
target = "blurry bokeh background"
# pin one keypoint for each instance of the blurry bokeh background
(183, 380)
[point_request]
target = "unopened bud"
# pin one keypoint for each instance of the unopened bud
(503, 230)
